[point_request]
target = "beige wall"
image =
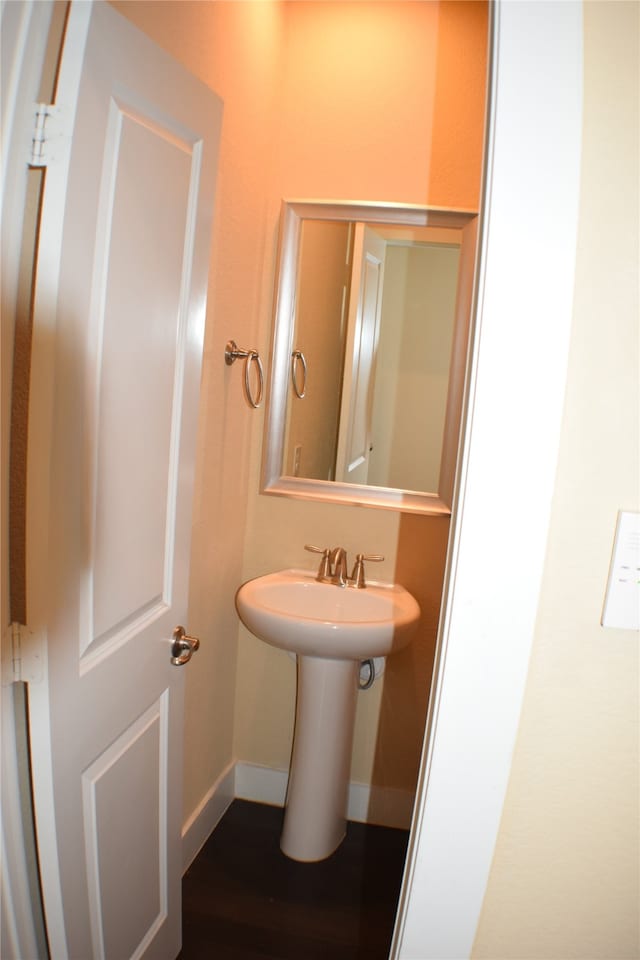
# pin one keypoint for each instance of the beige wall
(326, 100)
(564, 881)
(363, 83)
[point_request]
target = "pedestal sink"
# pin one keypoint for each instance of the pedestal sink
(331, 629)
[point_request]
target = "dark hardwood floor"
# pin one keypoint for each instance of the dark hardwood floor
(244, 900)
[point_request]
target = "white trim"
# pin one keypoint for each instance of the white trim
(21, 926)
(207, 815)
(38, 475)
(507, 476)
(382, 806)
(25, 30)
(262, 784)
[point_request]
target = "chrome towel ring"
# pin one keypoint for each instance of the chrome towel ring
(233, 353)
(298, 359)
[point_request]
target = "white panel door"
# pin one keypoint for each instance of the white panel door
(363, 331)
(119, 322)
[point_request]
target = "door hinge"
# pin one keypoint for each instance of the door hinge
(47, 134)
(22, 655)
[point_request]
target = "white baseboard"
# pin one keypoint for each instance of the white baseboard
(206, 816)
(383, 806)
(262, 784)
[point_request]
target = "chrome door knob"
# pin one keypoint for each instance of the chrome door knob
(182, 647)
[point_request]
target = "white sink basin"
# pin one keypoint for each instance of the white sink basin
(292, 610)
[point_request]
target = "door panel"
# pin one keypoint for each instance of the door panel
(138, 325)
(128, 860)
(123, 348)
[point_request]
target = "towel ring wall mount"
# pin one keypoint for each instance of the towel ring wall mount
(232, 353)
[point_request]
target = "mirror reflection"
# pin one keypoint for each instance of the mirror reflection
(369, 346)
(373, 332)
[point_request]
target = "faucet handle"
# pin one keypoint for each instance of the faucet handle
(310, 547)
(324, 570)
(357, 577)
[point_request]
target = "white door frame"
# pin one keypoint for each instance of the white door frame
(25, 28)
(506, 481)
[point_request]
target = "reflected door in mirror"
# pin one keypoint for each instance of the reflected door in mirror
(355, 426)
(412, 373)
(374, 318)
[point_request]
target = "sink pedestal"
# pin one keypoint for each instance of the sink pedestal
(316, 805)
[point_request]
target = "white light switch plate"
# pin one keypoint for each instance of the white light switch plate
(622, 602)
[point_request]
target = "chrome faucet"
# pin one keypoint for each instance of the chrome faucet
(333, 567)
(338, 566)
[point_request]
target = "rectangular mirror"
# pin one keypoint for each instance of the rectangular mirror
(370, 340)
